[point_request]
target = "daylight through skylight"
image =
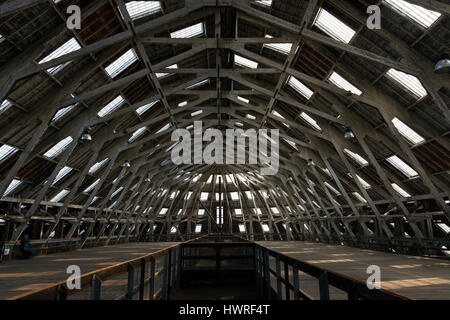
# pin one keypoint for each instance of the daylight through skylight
(408, 82)
(340, 82)
(400, 165)
(283, 48)
(139, 9)
(300, 87)
(409, 134)
(111, 107)
(68, 47)
(58, 148)
(193, 31)
(419, 14)
(333, 27)
(123, 62)
(244, 62)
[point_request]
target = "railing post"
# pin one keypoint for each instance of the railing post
(323, 286)
(142, 280)
(96, 285)
(180, 266)
(130, 284)
(286, 280)
(267, 273)
(151, 286)
(165, 274)
(296, 281)
(278, 270)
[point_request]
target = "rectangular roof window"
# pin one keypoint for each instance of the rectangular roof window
(137, 134)
(250, 116)
(193, 31)
(333, 27)
(5, 106)
(204, 196)
(198, 84)
(139, 9)
(167, 126)
(196, 113)
(409, 134)
(163, 75)
(408, 82)
(292, 144)
(311, 121)
(61, 174)
(201, 212)
(234, 196)
(249, 195)
(12, 187)
(58, 148)
(62, 112)
(238, 212)
(6, 151)
(91, 187)
(356, 157)
(60, 195)
(67, 47)
(122, 63)
(420, 15)
(198, 228)
(265, 227)
(284, 48)
(340, 82)
(141, 110)
(97, 166)
(265, 2)
(362, 181)
(300, 87)
(400, 190)
(401, 166)
(359, 197)
(164, 211)
(111, 107)
(329, 186)
(115, 193)
(244, 62)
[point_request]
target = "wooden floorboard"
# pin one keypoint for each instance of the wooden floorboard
(20, 276)
(412, 276)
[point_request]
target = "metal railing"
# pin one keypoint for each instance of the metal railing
(285, 271)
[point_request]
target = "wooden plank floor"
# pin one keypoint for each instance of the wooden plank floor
(415, 277)
(19, 276)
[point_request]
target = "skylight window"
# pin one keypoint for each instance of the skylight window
(359, 197)
(201, 212)
(250, 116)
(198, 228)
(111, 107)
(115, 193)
(249, 195)
(137, 134)
(68, 47)
(167, 126)
(242, 228)
(58, 148)
(183, 104)
(141, 110)
(283, 48)
(2, 38)
(275, 210)
(329, 186)
(204, 196)
(163, 211)
(265, 227)
(60, 196)
(91, 187)
(409, 134)
(139, 9)
(311, 121)
(408, 82)
(244, 62)
(362, 181)
(356, 157)
(5, 106)
(61, 174)
(62, 112)
(334, 27)
(400, 190)
(196, 113)
(238, 212)
(340, 82)
(6, 152)
(300, 87)
(97, 166)
(257, 211)
(12, 187)
(265, 2)
(198, 84)
(445, 228)
(243, 99)
(422, 16)
(292, 144)
(193, 31)
(401, 166)
(122, 63)
(234, 196)
(163, 75)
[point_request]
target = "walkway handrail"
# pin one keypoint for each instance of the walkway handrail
(59, 290)
(356, 289)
